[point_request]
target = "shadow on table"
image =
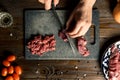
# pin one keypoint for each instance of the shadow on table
(112, 3)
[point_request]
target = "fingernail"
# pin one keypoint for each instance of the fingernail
(47, 8)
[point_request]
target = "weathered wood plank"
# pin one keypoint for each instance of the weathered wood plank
(64, 70)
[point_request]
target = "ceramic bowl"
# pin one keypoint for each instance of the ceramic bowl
(105, 59)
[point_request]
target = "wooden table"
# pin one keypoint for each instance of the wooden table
(58, 70)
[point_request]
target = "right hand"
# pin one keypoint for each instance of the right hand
(47, 3)
(81, 19)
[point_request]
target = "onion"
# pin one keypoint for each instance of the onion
(116, 12)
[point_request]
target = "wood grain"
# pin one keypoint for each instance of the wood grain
(61, 70)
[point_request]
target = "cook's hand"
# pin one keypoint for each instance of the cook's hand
(48, 3)
(80, 19)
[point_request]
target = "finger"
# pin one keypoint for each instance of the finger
(56, 2)
(48, 4)
(76, 35)
(82, 31)
(85, 29)
(41, 1)
(77, 27)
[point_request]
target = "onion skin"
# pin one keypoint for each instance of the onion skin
(116, 13)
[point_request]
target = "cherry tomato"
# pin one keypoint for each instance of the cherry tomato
(4, 72)
(9, 78)
(16, 76)
(6, 63)
(10, 70)
(11, 58)
(18, 70)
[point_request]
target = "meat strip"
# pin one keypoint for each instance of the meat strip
(114, 64)
(81, 44)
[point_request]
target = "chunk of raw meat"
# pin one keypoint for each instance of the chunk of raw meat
(63, 36)
(41, 45)
(81, 44)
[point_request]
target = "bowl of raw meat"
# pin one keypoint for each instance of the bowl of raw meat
(111, 62)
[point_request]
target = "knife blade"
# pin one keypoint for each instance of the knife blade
(62, 28)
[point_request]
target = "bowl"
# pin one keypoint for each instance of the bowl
(106, 57)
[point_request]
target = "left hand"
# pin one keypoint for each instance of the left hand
(47, 3)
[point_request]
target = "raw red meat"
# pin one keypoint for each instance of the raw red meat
(82, 46)
(81, 43)
(63, 36)
(41, 45)
(114, 64)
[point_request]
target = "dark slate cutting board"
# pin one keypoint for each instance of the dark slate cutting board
(44, 22)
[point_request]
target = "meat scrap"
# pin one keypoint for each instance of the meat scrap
(114, 64)
(81, 44)
(63, 36)
(40, 44)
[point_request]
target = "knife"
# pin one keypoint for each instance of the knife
(69, 39)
